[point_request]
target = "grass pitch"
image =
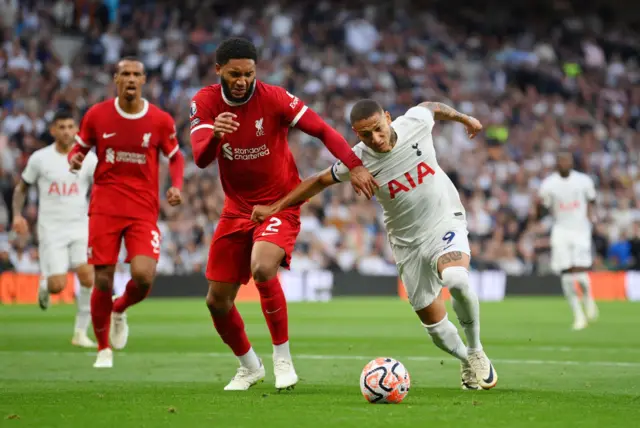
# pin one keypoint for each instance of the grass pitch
(174, 368)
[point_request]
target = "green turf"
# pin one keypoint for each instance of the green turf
(174, 368)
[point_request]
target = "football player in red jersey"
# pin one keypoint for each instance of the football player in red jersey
(244, 123)
(128, 134)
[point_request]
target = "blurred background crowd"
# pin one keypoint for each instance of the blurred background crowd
(540, 76)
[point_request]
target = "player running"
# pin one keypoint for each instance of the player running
(570, 196)
(425, 222)
(128, 134)
(62, 220)
(244, 124)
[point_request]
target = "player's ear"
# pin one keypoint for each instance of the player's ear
(388, 116)
(218, 69)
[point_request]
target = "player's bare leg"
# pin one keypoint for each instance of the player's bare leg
(590, 308)
(266, 258)
(445, 336)
(143, 272)
(53, 284)
(453, 268)
(230, 326)
(101, 306)
(83, 315)
(568, 279)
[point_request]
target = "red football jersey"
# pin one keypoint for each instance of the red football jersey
(255, 163)
(127, 145)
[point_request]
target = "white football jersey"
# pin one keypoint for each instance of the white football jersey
(567, 199)
(62, 195)
(415, 193)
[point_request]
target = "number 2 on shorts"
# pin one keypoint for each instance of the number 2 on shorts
(448, 237)
(274, 223)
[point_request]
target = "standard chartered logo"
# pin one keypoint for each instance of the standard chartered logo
(251, 153)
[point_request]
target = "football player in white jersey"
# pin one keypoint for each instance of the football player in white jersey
(63, 226)
(425, 222)
(570, 196)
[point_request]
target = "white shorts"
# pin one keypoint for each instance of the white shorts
(418, 265)
(570, 249)
(60, 254)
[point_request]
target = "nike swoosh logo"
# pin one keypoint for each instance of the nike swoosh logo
(272, 312)
(376, 174)
(489, 379)
(105, 135)
(447, 247)
(267, 234)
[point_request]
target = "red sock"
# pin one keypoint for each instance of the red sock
(132, 294)
(230, 327)
(274, 308)
(101, 305)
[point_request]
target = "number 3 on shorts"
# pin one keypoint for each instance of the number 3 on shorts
(274, 223)
(155, 241)
(449, 237)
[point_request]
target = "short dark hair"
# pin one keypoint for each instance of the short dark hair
(364, 109)
(61, 115)
(235, 48)
(130, 58)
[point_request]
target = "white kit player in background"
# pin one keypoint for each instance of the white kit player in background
(63, 222)
(570, 196)
(425, 222)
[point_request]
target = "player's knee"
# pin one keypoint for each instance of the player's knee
(85, 276)
(262, 270)
(456, 278)
(218, 302)
(104, 279)
(56, 283)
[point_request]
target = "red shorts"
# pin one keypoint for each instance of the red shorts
(141, 238)
(230, 251)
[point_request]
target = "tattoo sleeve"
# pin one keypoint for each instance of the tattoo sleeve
(444, 112)
(19, 197)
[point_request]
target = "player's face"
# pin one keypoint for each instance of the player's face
(375, 131)
(237, 78)
(129, 79)
(565, 163)
(64, 131)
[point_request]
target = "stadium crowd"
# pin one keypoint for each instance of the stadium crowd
(559, 76)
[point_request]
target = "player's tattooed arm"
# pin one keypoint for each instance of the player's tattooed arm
(19, 198)
(303, 192)
(444, 112)
(454, 256)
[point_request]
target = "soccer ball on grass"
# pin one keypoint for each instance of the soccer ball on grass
(384, 380)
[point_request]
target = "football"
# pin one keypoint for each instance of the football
(384, 381)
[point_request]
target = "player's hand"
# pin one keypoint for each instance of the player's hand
(473, 126)
(75, 163)
(261, 212)
(363, 182)
(225, 124)
(174, 196)
(20, 225)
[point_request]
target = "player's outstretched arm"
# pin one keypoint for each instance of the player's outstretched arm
(312, 124)
(304, 191)
(444, 112)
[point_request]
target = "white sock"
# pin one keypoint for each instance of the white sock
(568, 287)
(43, 283)
(585, 285)
(250, 360)
(445, 336)
(282, 351)
(83, 316)
(465, 304)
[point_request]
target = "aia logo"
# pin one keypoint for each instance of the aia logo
(63, 189)
(421, 171)
(569, 206)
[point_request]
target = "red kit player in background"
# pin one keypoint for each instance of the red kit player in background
(128, 134)
(244, 123)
